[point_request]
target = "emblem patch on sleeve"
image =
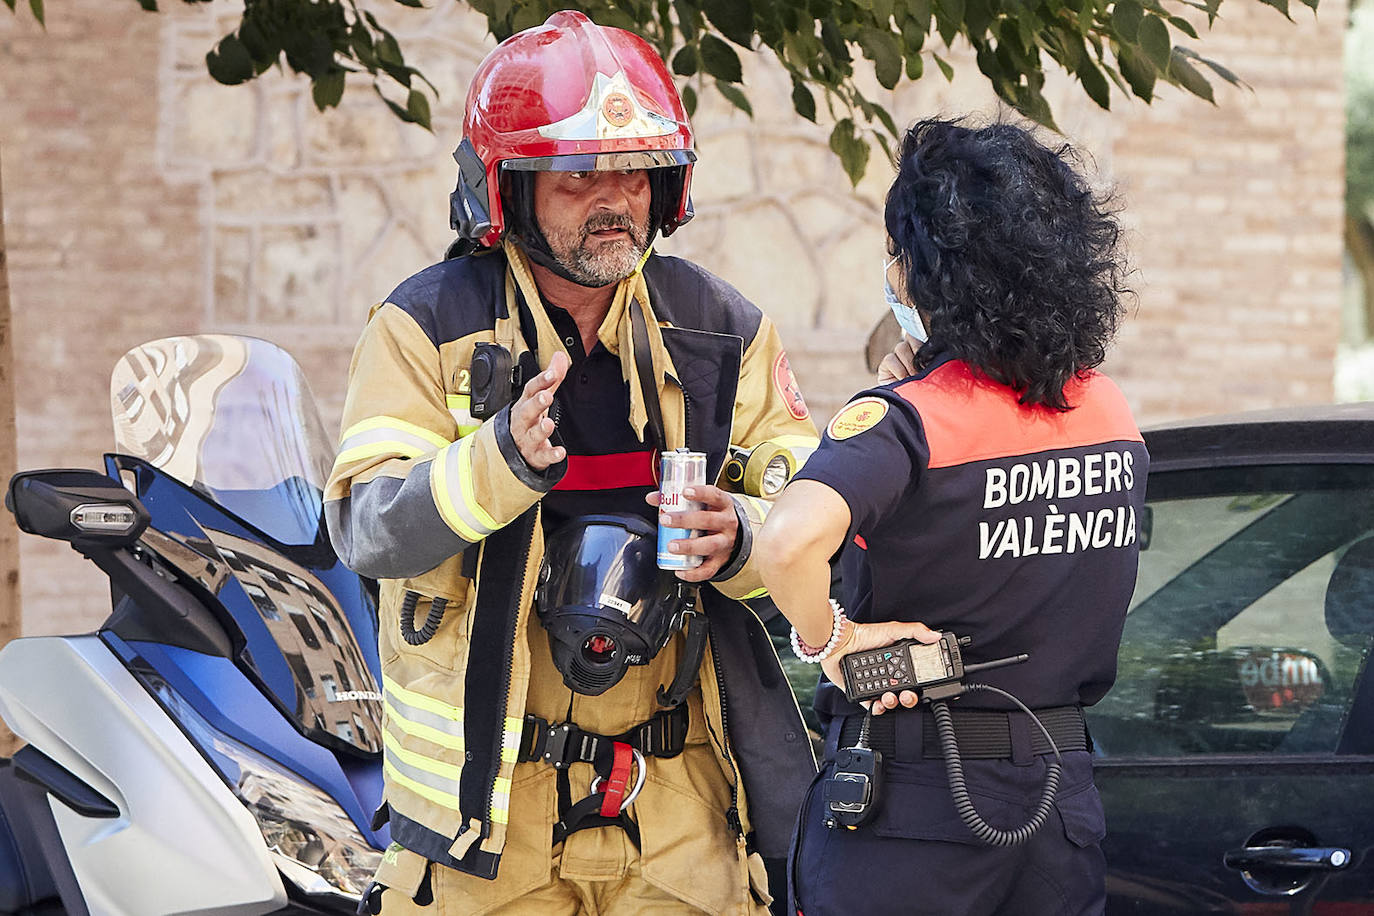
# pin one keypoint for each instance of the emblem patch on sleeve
(786, 383)
(855, 417)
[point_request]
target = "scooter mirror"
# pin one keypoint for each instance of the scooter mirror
(76, 505)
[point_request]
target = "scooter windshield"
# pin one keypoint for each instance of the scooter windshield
(231, 417)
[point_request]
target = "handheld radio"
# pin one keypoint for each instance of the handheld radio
(852, 795)
(936, 670)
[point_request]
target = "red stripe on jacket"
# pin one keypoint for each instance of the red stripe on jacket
(968, 417)
(608, 472)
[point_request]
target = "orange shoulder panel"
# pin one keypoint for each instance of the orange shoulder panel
(968, 417)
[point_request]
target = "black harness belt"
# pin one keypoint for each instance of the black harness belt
(982, 734)
(560, 746)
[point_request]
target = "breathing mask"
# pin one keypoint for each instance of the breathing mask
(603, 600)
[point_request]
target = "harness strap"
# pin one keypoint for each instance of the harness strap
(560, 746)
(618, 781)
(644, 368)
(663, 735)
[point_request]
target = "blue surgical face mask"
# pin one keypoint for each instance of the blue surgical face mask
(905, 314)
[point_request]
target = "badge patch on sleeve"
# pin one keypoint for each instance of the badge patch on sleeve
(855, 417)
(786, 383)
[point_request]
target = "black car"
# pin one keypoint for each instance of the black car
(1235, 755)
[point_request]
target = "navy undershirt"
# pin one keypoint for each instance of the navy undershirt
(609, 468)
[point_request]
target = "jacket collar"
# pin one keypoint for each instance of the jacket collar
(615, 333)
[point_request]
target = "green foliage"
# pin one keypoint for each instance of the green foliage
(35, 7)
(1132, 44)
(323, 39)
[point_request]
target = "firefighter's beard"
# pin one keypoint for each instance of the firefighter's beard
(594, 262)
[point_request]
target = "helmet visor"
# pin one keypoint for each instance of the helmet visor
(603, 162)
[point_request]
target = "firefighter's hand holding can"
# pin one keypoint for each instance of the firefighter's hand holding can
(697, 522)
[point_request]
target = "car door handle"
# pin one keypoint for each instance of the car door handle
(1255, 858)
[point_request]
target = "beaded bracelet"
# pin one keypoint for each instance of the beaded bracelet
(811, 654)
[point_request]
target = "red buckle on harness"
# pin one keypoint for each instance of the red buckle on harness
(618, 780)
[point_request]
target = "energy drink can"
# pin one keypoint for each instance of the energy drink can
(681, 468)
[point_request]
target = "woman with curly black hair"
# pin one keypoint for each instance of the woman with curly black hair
(989, 491)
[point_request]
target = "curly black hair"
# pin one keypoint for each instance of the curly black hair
(1011, 254)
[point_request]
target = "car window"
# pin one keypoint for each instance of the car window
(1252, 617)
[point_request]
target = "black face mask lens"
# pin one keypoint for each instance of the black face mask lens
(603, 600)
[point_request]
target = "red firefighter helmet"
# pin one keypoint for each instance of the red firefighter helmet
(570, 95)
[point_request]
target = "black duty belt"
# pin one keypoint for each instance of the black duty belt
(560, 746)
(982, 734)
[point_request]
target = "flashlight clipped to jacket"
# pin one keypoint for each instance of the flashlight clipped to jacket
(767, 467)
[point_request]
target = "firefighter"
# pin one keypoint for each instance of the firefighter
(992, 488)
(520, 391)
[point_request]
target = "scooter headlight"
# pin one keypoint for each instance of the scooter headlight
(314, 843)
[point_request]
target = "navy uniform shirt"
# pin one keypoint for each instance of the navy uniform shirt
(1016, 526)
(609, 469)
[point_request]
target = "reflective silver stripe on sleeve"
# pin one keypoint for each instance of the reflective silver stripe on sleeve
(389, 528)
(453, 492)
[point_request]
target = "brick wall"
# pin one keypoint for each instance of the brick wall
(142, 200)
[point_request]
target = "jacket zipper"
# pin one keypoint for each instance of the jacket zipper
(731, 816)
(495, 771)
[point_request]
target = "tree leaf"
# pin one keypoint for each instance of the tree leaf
(328, 89)
(1184, 26)
(880, 46)
(1187, 76)
(686, 19)
(1126, 18)
(945, 68)
(417, 106)
(834, 42)
(229, 62)
(1215, 67)
(10, 4)
(1280, 5)
(720, 60)
(803, 101)
(36, 6)
(1094, 83)
(689, 100)
(734, 19)
(1116, 79)
(1139, 72)
(886, 118)
(735, 96)
(949, 16)
(685, 61)
(389, 51)
(1154, 41)
(915, 66)
(852, 151)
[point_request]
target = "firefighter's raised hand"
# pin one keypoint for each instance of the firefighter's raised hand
(530, 425)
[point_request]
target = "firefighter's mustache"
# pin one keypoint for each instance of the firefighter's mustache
(597, 223)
